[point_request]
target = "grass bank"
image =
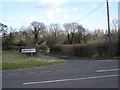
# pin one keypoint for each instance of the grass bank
(15, 60)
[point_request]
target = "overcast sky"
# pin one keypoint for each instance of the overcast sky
(17, 13)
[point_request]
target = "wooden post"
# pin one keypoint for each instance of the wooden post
(31, 56)
(109, 36)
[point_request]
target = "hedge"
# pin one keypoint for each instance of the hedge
(86, 50)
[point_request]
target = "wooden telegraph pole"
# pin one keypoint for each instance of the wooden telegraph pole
(119, 28)
(109, 36)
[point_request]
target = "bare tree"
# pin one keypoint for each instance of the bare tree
(114, 31)
(54, 35)
(55, 32)
(98, 34)
(67, 27)
(37, 28)
(8, 40)
(3, 29)
(115, 24)
(74, 29)
(71, 29)
(82, 34)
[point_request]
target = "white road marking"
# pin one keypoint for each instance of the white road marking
(45, 71)
(114, 66)
(61, 80)
(107, 70)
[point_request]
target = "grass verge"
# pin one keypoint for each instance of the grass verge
(81, 58)
(15, 60)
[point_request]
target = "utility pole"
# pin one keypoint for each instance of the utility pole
(119, 28)
(109, 36)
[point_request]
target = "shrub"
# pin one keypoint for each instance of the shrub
(43, 48)
(102, 50)
(114, 47)
(67, 49)
(86, 50)
(56, 49)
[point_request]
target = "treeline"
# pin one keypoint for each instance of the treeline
(38, 34)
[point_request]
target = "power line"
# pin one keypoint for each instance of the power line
(90, 12)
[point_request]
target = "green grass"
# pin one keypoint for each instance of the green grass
(96, 41)
(81, 58)
(15, 60)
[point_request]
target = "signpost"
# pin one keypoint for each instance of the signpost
(31, 51)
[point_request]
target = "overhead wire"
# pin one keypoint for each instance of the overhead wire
(90, 12)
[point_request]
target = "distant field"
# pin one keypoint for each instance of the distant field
(96, 41)
(15, 60)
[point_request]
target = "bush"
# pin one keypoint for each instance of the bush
(102, 50)
(43, 48)
(114, 47)
(67, 49)
(85, 50)
(56, 49)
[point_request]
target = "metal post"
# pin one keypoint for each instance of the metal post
(109, 36)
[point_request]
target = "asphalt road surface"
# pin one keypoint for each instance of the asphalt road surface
(73, 74)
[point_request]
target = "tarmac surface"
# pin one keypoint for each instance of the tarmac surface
(73, 74)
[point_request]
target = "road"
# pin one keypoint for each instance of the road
(73, 74)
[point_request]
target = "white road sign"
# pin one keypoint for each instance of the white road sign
(32, 50)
